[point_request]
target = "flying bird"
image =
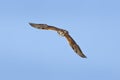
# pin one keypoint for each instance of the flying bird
(63, 33)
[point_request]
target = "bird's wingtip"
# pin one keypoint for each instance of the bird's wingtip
(31, 23)
(84, 56)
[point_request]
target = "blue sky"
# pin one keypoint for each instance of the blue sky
(30, 54)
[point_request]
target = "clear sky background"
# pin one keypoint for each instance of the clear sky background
(27, 53)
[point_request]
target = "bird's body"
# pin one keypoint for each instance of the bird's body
(63, 33)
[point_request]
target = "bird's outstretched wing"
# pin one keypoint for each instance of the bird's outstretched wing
(64, 33)
(74, 46)
(44, 26)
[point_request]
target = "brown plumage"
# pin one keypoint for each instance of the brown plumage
(63, 33)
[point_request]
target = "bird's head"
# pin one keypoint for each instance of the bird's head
(62, 32)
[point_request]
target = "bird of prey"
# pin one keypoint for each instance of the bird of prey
(63, 33)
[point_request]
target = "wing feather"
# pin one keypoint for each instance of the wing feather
(74, 46)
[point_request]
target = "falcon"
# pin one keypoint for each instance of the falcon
(63, 33)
